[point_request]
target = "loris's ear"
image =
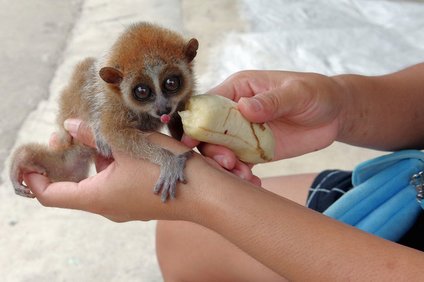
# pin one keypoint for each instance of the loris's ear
(111, 75)
(190, 49)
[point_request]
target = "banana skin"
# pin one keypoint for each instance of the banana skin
(215, 119)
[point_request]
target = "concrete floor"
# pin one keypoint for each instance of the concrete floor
(33, 35)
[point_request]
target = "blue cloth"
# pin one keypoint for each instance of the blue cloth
(383, 201)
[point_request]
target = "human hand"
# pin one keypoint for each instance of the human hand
(119, 191)
(302, 109)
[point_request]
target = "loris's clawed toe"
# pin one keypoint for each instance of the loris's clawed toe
(171, 173)
(23, 162)
(18, 182)
(183, 159)
(24, 191)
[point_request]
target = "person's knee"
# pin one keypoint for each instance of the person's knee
(171, 248)
(166, 250)
(190, 252)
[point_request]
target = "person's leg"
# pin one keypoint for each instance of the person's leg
(189, 252)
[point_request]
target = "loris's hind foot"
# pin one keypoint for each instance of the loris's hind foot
(24, 191)
(21, 163)
(170, 173)
(18, 182)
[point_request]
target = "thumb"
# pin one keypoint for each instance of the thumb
(262, 107)
(59, 194)
(273, 104)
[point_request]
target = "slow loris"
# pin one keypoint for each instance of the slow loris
(140, 85)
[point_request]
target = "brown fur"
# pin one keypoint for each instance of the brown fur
(102, 94)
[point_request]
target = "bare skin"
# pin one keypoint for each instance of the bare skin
(281, 239)
(273, 230)
(212, 257)
(314, 90)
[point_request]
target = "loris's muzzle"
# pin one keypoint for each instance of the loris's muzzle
(164, 111)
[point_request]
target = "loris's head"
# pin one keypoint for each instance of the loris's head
(150, 67)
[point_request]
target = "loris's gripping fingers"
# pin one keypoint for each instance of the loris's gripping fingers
(170, 174)
(182, 159)
(24, 192)
(168, 185)
(168, 188)
(22, 164)
(20, 188)
(158, 187)
(167, 192)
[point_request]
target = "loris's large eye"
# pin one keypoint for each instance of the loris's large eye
(172, 84)
(142, 92)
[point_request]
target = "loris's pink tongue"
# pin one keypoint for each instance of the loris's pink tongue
(165, 118)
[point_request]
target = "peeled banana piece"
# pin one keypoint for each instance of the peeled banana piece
(215, 119)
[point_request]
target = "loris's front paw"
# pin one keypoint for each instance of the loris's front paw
(170, 173)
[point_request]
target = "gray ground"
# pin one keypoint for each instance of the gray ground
(33, 35)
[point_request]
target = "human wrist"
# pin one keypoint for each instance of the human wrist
(352, 113)
(193, 197)
(209, 193)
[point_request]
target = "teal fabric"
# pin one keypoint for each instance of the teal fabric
(383, 201)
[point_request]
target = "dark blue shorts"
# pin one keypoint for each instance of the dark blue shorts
(330, 185)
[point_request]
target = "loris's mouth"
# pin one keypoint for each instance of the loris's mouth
(165, 118)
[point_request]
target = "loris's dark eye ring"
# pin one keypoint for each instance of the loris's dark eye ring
(142, 92)
(172, 84)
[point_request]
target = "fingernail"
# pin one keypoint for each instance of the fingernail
(72, 125)
(252, 103)
(222, 160)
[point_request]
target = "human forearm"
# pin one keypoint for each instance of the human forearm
(288, 238)
(297, 243)
(383, 112)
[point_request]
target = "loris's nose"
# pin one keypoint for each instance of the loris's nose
(164, 111)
